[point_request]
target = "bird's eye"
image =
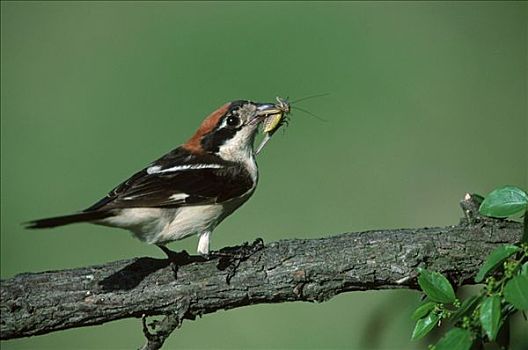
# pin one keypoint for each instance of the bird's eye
(232, 120)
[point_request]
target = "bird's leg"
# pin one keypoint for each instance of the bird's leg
(203, 244)
(230, 258)
(175, 259)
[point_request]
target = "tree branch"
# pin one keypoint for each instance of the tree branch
(287, 270)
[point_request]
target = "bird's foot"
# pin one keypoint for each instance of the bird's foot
(231, 257)
(176, 259)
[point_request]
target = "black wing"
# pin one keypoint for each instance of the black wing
(193, 180)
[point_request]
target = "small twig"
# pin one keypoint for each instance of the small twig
(165, 328)
(525, 228)
(470, 205)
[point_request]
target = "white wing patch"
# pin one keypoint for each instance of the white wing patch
(156, 169)
(179, 196)
(153, 169)
(175, 197)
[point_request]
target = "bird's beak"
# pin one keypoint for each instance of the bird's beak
(263, 111)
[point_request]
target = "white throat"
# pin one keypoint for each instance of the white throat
(240, 149)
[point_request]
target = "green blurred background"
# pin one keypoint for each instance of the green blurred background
(427, 101)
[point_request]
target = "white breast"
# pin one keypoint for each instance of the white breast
(160, 225)
(191, 220)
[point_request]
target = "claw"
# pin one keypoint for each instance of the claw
(231, 258)
(176, 259)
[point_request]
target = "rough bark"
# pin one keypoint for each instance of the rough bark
(287, 270)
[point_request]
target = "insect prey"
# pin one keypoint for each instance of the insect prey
(275, 120)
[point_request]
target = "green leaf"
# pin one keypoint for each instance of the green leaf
(425, 325)
(436, 286)
(423, 310)
(504, 201)
(524, 269)
(516, 292)
(490, 316)
(455, 339)
(494, 259)
(467, 307)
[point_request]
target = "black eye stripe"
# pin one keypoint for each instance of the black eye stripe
(211, 142)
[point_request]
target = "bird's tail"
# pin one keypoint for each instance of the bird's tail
(68, 219)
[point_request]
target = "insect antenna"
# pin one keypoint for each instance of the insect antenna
(309, 113)
(309, 97)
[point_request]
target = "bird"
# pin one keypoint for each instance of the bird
(189, 190)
